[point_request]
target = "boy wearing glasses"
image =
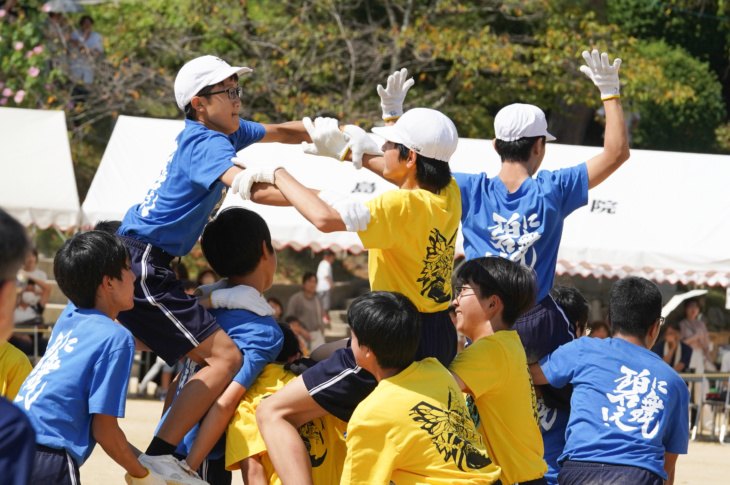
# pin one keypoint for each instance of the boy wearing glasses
(491, 294)
(629, 409)
(168, 223)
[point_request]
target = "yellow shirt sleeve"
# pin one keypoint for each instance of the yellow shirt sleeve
(482, 367)
(14, 369)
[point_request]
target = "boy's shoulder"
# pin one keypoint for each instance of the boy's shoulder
(99, 330)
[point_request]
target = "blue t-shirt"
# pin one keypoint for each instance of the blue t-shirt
(84, 371)
(628, 406)
(260, 340)
(17, 445)
(552, 428)
(177, 207)
(524, 226)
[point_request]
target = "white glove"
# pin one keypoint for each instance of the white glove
(360, 143)
(355, 215)
(392, 97)
(603, 74)
(152, 478)
(206, 290)
(327, 139)
(241, 297)
(252, 173)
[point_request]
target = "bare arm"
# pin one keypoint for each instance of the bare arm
(261, 193)
(670, 461)
(615, 145)
(314, 209)
(538, 377)
(289, 132)
(109, 435)
(215, 423)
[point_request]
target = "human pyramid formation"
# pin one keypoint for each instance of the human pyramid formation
(387, 406)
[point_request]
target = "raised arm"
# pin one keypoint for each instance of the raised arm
(616, 140)
(290, 132)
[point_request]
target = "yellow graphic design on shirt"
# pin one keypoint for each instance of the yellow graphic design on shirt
(451, 432)
(437, 267)
(311, 434)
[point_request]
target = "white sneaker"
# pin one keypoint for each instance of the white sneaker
(173, 471)
(152, 478)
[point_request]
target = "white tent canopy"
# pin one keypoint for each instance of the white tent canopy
(37, 185)
(662, 215)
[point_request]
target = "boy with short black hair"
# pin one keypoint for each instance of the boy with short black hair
(574, 305)
(17, 439)
(168, 223)
(414, 427)
(77, 391)
(491, 293)
(629, 409)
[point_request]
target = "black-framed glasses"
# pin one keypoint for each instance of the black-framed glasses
(232, 92)
(459, 292)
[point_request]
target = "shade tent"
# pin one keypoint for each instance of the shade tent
(661, 216)
(37, 186)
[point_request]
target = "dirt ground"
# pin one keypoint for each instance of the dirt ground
(706, 462)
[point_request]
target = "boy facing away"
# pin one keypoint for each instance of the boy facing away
(78, 389)
(629, 409)
(168, 223)
(491, 294)
(414, 428)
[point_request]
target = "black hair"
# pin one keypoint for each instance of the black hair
(189, 284)
(596, 324)
(429, 171)
(512, 282)
(389, 325)
(84, 260)
(573, 304)
(85, 17)
(291, 319)
(690, 301)
(327, 252)
(518, 150)
(634, 305)
(112, 227)
(273, 299)
(14, 246)
(307, 276)
(180, 270)
(291, 344)
(190, 111)
(233, 242)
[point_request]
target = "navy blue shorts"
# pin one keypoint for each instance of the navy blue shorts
(164, 317)
(542, 330)
(54, 467)
(338, 384)
(590, 473)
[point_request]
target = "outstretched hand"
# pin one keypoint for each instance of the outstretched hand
(360, 143)
(603, 74)
(251, 174)
(327, 139)
(394, 93)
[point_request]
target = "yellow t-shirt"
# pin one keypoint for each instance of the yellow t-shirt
(414, 428)
(411, 237)
(324, 437)
(494, 368)
(14, 368)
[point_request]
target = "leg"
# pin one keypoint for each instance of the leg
(278, 417)
(252, 471)
(219, 359)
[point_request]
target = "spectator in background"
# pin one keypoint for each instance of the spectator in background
(694, 334)
(307, 308)
(31, 303)
(325, 282)
(599, 329)
(301, 333)
(207, 277)
(86, 45)
(672, 350)
(275, 303)
(575, 306)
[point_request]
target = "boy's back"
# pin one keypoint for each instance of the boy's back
(84, 371)
(628, 406)
(495, 369)
(415, 428)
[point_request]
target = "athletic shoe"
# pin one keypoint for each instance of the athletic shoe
(152, 478)
(173, 471)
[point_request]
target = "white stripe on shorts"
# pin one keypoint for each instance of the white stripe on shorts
(334, 380)
(165, 311)
(71, 469)
(567, 320)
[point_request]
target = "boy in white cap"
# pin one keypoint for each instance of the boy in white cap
(168, 223)
(518, 217)
(417, 262)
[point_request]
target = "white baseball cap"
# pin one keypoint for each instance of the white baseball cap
(520, 121)
(426, 131)
(199, 73)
